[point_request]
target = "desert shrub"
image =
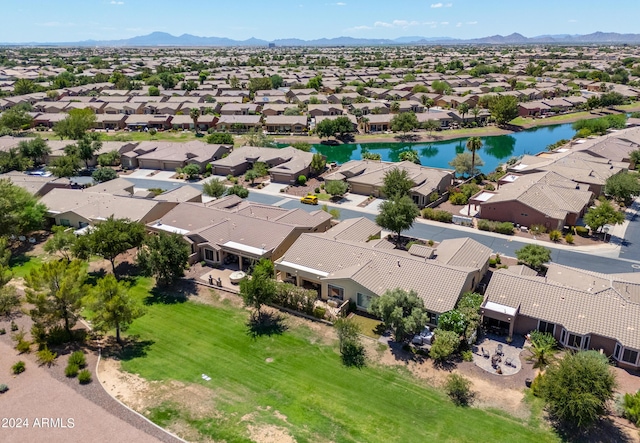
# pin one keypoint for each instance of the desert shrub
(78, 359)
(3, 388)
(18, 367)
(569, 238)
(84, 377)
(458, 388)
(504, 228)
(537, 229)
(294, 297)
(492, 262)
(14, 326)
(433, 196)
(302, 180)
(469, 189)
(23, 346)
(582, 231)
(437, 215)
(497, 174)
(319, 312)
(498, 259)
(46, 357)
(535, 385)
(484, 225)
(458, 198)
(71, 370)
(317, 190)
(430, 242)
(631, 407)
(153, 131)
(3, 331)
(467, 355)
(489, 187)
(555, 235)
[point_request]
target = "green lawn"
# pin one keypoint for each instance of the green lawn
(22, 264)
(145, 136)
(556, 119)
(322, 400)
(368, 326)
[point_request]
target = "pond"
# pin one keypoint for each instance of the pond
(495, 150)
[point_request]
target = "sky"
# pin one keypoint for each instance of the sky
(77, 20)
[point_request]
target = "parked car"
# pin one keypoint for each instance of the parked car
(309, 200)
(425, 337)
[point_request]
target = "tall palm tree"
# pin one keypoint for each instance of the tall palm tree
(463, 108)
(475, 111)
(194, 113)
(473, 145)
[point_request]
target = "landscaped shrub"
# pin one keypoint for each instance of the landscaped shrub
(71, 370)
(569, 238)
(631, 407)
(433, 196)
(537, 229)
(294, 297)
(492, 262)
(437, 215)
(458, 198)
(458, 388)
(23, 346)
(319, 312)
(582, 231)
(467, 355)
(18, 367)
(3, 388)
(78, 359)
(504, 228)
(535, 385)
(302, 180)
(484, 225)
(46, 357)
(489, 187)
(317, 190)
(469, 190)
(555, 235)
(3, 331)
(14, 326)
(84, 377)
(57, 336)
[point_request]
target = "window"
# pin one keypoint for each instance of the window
(629, 356)
(544, 326)
(208, 255)
(336, 291)
(563, 335)
(574, 341)
(433, 318)
(65, 222)
(616, 353)
(363, 300)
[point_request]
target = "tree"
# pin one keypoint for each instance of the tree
(165, 256)
(401, 311)
(104, 175)
(251, 175)
(463, 109)
(9, 298)
(623, 186)
(214, 188)
(220, 138)
(76, 124)
(191, 171)
(35, 149)
(431, 125)
(258, 139)
(396, 182)
(342, 126)
(276, 81)
(475, 111)
(55, 290)
(12, 160)
(111, 238)
(593, 102)
(326, 128)
(473, 144)
(504, 109)
(534, 255)
(194, 113)
(603, 214)
(15, 119)
(238, 190)
(318, 163)
(20, 212)
(61, 242)
(440, 87)
(543, 348)
(578, 388)
(634, 156)
(351, 349)
(315, 83)
(394, 107)
(66, 166)
(154, 91)
(458, 389)
(23, 86)
(301, 146)
(428, 103)
(410, 156)
(454, 321)
(336, 188)
(113, 307)
(404, 122)
(465, 165)
(445, 343)
(260, 289)
(111, 158)
(259, 84)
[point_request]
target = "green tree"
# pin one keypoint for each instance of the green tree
(463, 109)
(315, 83)
(15, 119)
(474, 144)
(111, 158)
(404, 122)
(352, 351)
(634, 156)
(326, 128)
(623, 186)
(113, 306)
(238, 190)
(603, 214)
(104, 175)
(66, 166)
(55, 290)
(12, 160)
(301, 146)
(396, 182)
(154, 91)
(76, 124)
(194, 113)
(440, 87)
(20, 212)
(251, 175)
(593, 102)
(9, 298)
(61, 242)
(397, 215)
(410, 156)
(276, 81)
(431, 125)
(578, 387)
(85, 148)
(258, 139)
(23, 86)
(401, 311)
(454, 321)
(342, 126)
(35, 149)
(318, 163)
(543, 348)
(465, 165)
(111, 238)
(260, 289)
(445, 344)
(191, 171)
(504, 109)
(165, 256)
(458, 389)
(214, 188)
(220, 138)
(259, 84)
(534, 255)
(336, 188)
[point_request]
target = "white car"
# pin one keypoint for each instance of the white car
(425, 337)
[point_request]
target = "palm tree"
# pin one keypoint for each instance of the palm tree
(543, 348)
(475, 111)
(364, 124)
(429, 104)
(463, 108)
(473, 144)
(194, 113)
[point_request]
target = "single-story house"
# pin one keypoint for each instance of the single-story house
(286, 123)
(238, 123)
(169, 156)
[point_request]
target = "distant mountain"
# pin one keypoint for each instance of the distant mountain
(165, 39)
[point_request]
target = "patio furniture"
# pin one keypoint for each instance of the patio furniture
(495, 359)
(509, 362)
(485, 353)
(499, 350)
(236, 277)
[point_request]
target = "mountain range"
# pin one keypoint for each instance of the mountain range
(165, 39)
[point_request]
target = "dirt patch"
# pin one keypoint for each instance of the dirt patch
(269, 434)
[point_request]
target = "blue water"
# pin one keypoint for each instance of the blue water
(495, 150)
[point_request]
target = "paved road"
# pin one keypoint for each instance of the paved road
(502, 245)
(630, 246)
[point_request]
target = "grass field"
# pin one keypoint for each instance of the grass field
(22, 264)
(145, 136)
(368, 326)
(297, 375)
(556, 119)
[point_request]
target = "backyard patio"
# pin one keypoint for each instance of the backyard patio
(493, 354)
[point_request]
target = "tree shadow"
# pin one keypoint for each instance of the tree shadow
(126, 268)
(130, 348)
(347, 138)
(602, 431)
(403, 352)
(164, 296)
(266, 323)
(94, 276)
(407, 137)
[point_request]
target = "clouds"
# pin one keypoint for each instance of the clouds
(114, 2)
(441, 5)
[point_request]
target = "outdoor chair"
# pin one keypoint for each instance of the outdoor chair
(499, 350)
(509, 362)
(485, 353)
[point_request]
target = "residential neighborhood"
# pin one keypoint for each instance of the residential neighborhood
(226, 243)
